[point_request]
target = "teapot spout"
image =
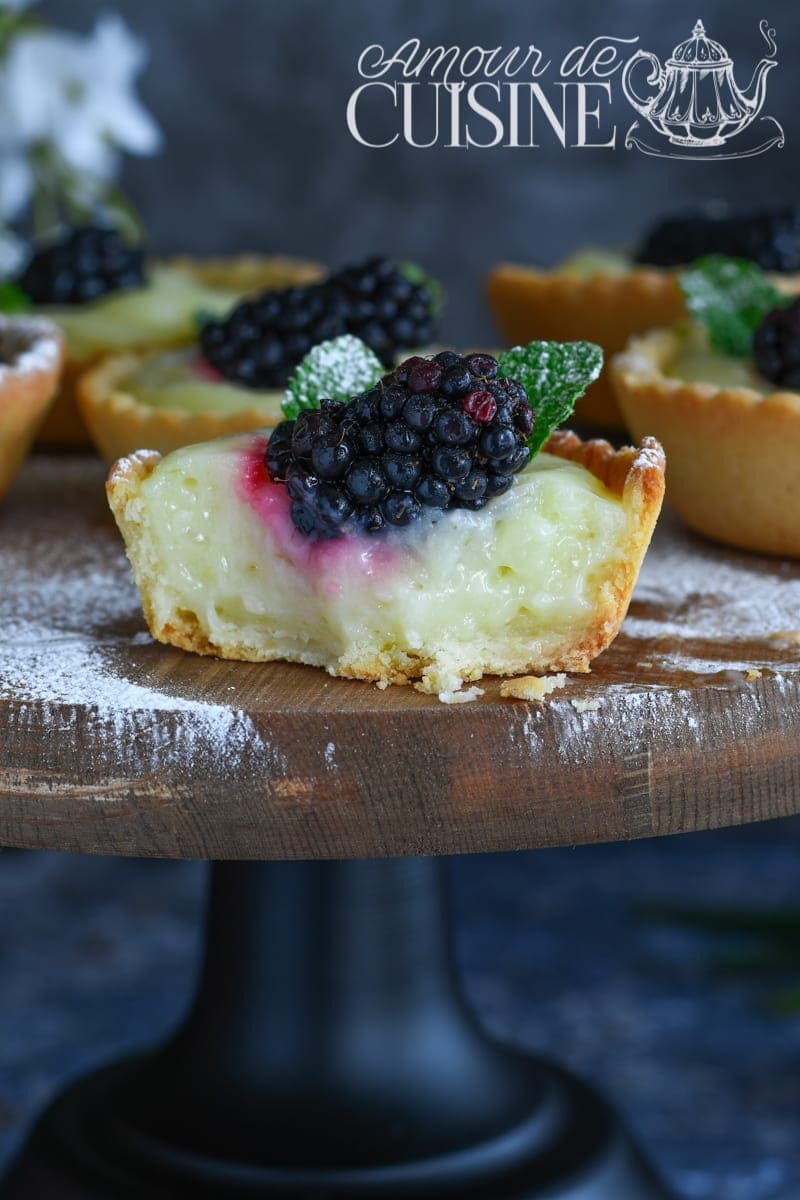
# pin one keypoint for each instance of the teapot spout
(754, 94)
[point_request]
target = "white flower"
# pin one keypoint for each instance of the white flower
(13, 254)
(77, 93)
(16, 182)
(16, 176)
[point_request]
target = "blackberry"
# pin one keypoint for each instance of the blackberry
(264, 338)
(768, 237)
(776, 346)
(85, 264)
(388, 454)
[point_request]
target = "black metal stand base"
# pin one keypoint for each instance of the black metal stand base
(329, 1055)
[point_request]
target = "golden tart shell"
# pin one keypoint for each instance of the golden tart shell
(244, 274)
(563, 306)
(31, 353)
(634, 475)
(733, 452)
(607, 308)
(119, 423)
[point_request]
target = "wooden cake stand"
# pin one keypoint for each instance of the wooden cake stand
(328, 1053)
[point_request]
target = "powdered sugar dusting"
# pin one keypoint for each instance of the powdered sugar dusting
(336, 369)
(28, 345)
(73, 640)
(330, 757)
(71, 625)
(460, 695)
(697, 603)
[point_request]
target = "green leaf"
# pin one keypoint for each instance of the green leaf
(416, 274)
(13, 299)
(334, 370)
(781, 923)
(555, 375)
(731, 297)
(202, 316)
(124, 215)
(785, 1004)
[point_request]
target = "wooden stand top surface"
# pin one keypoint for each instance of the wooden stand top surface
(110, 743)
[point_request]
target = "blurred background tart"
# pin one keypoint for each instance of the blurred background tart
(610, 295)
(233, 377)
(107, 298)
(31, 352)
(166, 399)
(723, 398)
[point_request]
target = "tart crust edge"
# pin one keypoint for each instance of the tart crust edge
(64, 425)
(605, 308)
(642, 365)
(117, 421)
(732, 450)
(634, 475)
(27, 386)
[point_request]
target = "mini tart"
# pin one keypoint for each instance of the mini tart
(733, 450)
(31, 352)
(538, 580)
(233, 277)
(119, 420)
(565, 305)
(608, 300)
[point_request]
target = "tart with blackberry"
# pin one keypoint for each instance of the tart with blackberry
(233, 378)
(431, 528)
(31, 352)
(108, 298)
(611, 295)
(722, 392)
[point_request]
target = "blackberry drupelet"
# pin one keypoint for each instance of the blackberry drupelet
(387, 308)
(264, 338)
(776, 346)
(436, 433)
(768, 237)
(85, 264)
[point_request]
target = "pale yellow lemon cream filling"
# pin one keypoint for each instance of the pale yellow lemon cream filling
(162, 311)
(697, 362)
(497, 591)
(171, 381)
(596, 260)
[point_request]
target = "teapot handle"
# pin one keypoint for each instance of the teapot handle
(656, 77)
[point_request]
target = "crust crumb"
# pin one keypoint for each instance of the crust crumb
(790, 636)
(752, 674)
(583, 706)
(460, 697)
(531, 687)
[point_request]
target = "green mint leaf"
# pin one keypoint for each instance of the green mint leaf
(415, 274)
(334, 370)
(202, 316)
(13, 299)
(731, 297)
(555, 375)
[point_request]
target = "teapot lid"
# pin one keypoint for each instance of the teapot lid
(699, 51)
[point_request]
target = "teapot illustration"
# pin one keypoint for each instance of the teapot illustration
(697, 102)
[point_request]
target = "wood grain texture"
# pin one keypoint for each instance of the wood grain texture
(112, 744)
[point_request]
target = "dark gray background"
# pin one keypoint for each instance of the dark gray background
(251, 96)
